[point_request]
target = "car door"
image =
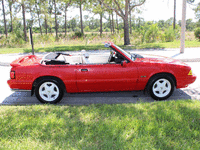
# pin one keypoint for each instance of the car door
(106, 77)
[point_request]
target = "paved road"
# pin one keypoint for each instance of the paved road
(9, 97)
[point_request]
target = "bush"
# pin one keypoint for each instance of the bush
(171, 34)
(87, 29)
(15, 39)
(152, 34)
(79, 34)
(197, 33)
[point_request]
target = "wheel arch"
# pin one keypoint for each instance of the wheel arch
(162, 73)
(37, 80)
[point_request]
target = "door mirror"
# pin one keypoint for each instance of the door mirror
(124, 63)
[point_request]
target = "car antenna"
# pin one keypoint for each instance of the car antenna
(31, 40)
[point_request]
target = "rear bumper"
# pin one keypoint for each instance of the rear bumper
(184, 82)
(19, 85)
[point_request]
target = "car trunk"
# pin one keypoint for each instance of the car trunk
(26, 61)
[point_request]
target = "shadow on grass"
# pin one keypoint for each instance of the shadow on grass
(67, 48)
(94, 47)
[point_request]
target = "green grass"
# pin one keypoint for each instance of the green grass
(77, 47)
(157, 125)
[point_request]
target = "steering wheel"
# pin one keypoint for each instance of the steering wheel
(111, 56)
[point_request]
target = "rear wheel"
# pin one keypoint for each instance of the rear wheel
(49, 91)
(160, 87)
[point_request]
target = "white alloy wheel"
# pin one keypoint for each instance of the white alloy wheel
(161, 88)
(49, 91)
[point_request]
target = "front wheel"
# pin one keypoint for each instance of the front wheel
(160, 87)
(49, 92)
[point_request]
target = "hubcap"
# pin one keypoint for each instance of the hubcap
(161, 88)
(49, 91)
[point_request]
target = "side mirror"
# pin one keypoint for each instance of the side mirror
(124, 63)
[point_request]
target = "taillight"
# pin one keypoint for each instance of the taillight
(12, 74)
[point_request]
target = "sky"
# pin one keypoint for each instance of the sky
(164, 9)
(153, 10)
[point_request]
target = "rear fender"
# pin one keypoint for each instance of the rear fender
(38, 80)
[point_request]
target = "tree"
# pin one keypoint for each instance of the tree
(174, 23)
(169, 22)
(50, 11)
(56, 13)
(4, 17)
(11, 2)
(123, 9)
(190, 25)
(79, 4)
(44, 11)
(197, 11)
(161, 24)
(38, 4)
(97, 8)
(66, 4)
(24, 19)
(73, 23)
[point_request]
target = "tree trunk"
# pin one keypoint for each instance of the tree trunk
(101, 16)
(81, 19)
(4, 16)
(56, 21)
(126, 25)
(45, 20)
(130, 24)
(39, 24)
(113, 25)
(110, 23)
(130, 18)
(24, 21)
(174, 24)
(38, 13)
(117, 23)
(65, 21)
(11, 25)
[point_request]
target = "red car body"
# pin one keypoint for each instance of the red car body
(126, 76)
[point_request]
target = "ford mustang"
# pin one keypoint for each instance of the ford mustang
(51, 75)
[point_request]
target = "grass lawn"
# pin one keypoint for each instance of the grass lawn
(157, 125)
(80, 46)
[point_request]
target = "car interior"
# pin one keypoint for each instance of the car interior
(84, 58)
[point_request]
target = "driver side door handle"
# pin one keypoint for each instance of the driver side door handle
(84, 70)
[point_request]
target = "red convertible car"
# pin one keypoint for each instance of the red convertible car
(50, 76)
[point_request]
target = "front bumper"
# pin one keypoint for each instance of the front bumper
(184, 82)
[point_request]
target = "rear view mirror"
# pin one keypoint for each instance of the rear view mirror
(124, 63)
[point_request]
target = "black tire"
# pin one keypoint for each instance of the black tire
(49, 91)
(160, 87)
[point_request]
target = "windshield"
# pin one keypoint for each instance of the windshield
(132, 57)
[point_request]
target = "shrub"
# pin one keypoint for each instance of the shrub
(106, 30)
(15, 39)
(79, 34)
(152, 33)
(197, 33)
(87, 29)
(169, 35)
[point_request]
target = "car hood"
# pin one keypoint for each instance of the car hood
(161, 61)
